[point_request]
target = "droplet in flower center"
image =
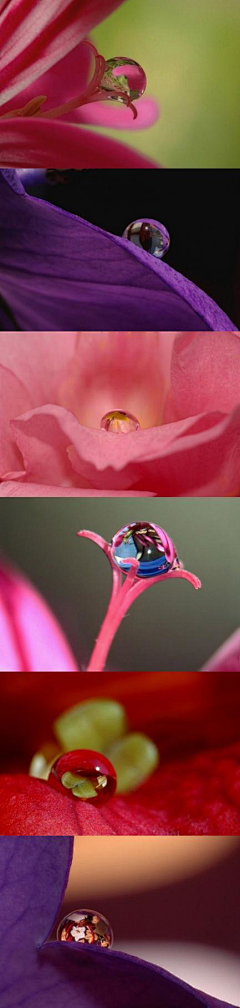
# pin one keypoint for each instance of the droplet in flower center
(87, 927)
(88, 775)
(126, 76)
(143, 542)
(119, 422)
(153, 238)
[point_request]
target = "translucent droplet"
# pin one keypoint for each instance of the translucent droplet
(87, 927)
(126, 76)
(153, 238)
(119, 422)
(141, 541)
(88, 775)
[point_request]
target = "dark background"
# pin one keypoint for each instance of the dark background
(171, 627)
(200, 208)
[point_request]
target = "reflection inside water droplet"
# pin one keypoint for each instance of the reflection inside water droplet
(119, 422)
(87, 927)
(153, 238)
(126, 76)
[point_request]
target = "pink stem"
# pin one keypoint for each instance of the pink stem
(122, 596)
(112, 620)
(119, 606)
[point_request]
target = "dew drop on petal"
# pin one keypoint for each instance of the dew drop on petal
(149, 236)
(119, 422)
(126, 75)
(84, 775)
(88, 927)
(141, 541)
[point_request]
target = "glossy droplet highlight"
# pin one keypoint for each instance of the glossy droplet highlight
(86, 775)
(124, 76)
(119, 422)
(146, 543)
(87, 927)
(153, 238)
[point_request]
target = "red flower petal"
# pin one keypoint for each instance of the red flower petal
(200, 795)
(36, 34)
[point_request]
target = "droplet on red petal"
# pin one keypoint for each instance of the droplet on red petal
(143, 542)
(85, 775)
(146, 234)
(88, 927)
(128, 77)
(119, 422)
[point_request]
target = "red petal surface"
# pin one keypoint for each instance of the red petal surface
(200, 795)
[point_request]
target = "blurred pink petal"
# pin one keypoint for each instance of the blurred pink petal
(103, 114)
(227, 658)
(27, 142)
(30, 637)
(213, 361)
(36, 34)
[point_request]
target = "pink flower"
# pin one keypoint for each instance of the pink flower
(183, 389)
(45, 89)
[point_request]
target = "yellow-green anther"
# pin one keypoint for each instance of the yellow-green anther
(134, 758)
(93, 724)
(81, 787)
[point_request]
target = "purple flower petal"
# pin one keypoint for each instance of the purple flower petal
(57, 271)
(33, 875)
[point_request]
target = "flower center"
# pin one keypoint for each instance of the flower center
(118, 422)
(119, 79)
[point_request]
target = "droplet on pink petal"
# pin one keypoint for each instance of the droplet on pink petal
(118, 422)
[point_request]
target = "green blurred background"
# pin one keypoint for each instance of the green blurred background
(170, 627)
(190, 52)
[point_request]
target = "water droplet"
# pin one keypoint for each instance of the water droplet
(87, 927)
(88, 775)
(119, 422)
(153, 238)
(141, 541)
(124, 75)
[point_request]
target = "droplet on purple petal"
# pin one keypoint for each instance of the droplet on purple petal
(153, 238)
(87, 927)
(119, 422)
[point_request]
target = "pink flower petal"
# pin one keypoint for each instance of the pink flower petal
(10, 488)
(14, 398)
(65, 79)
(170, 460)
(120, 117)
(205, 374)
(30, 638)
(27, 142)
(36, 34)
(118, 370)
(227, 658)
(38, 360)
